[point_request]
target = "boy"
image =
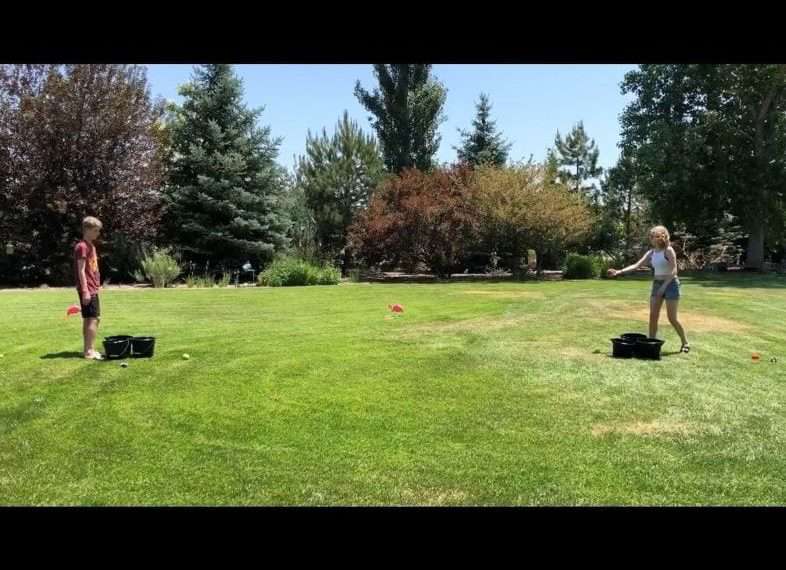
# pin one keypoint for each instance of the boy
(88, 281)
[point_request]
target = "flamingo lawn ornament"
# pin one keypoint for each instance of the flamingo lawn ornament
(72, 310)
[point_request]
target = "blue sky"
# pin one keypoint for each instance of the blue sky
(529, 102)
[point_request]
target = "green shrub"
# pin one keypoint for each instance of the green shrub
(354, 275)
(199, 281)
(289, 272)
(225, 280)
(579, 267)
(601, 265)
(160, 267)
(329, 275)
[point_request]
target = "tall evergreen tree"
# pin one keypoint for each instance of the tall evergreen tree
(406, 111)
(623, 203)
(578, 159)
(225, 193)
(483, 145)
(338, 174)
(302, 229)
(551, 166)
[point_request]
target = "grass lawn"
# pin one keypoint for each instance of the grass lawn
(480, 394)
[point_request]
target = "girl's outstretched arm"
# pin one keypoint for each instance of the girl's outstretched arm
(645, 259)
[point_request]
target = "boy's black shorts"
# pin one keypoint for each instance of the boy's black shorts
(93, 309)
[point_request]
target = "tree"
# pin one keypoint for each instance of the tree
(523, 204)
(302, 229)
(758, 104)
(484, 145)
(337, 175)
(624, 209)
(551, 165)
(578, 158)
(406, 111)
(417, 217)
(710, 141)
(224, 200)
(76, 140)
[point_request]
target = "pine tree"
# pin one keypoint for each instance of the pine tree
(406, 111)
(484, 145)
(578, 158)
(225, 193)
(551, 165)
(337, 176)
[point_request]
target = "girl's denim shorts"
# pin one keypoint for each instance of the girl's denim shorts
(672, 291)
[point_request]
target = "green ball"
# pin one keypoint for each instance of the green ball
(124, 364)
(186, 357)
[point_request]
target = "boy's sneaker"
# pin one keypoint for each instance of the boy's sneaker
(95, 355)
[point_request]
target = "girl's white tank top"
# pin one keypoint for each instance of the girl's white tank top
(659, 262)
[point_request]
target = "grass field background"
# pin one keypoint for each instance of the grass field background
(480, 394)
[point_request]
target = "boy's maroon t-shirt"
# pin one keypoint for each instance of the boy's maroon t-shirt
(87, 251)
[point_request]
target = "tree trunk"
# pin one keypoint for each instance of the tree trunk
(578, 177)
(758, 229)
(627, 224)
(755, 253)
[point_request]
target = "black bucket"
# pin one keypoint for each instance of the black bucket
(117, 346)
(143, 346)
(119, 337)
(649, 348)
(633, 337)
(622, 348)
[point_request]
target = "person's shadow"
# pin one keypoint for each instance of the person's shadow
(62, 355)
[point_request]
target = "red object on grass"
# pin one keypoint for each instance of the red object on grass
(396, 308)
(73, 310)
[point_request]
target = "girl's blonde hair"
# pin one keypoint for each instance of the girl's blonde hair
(664, 233)
(90, 223)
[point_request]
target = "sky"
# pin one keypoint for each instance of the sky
(530, 103)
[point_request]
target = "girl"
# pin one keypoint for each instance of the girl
(666, 284)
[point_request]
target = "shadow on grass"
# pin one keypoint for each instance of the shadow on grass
(745, 280)
(62, 355)
(15, 417)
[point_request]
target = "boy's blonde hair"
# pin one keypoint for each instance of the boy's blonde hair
(664, 233)
(90, 223)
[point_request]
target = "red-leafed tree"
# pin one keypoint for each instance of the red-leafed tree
(417, 217)
(76, 140)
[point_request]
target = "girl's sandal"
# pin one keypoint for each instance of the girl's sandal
(685, 348)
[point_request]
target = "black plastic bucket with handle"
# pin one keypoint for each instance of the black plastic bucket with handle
(649, 348)
(143, 346)
(622, 348)
(117, 346)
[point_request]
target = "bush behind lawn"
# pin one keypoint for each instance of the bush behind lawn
(579, 267)
(291, 272)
